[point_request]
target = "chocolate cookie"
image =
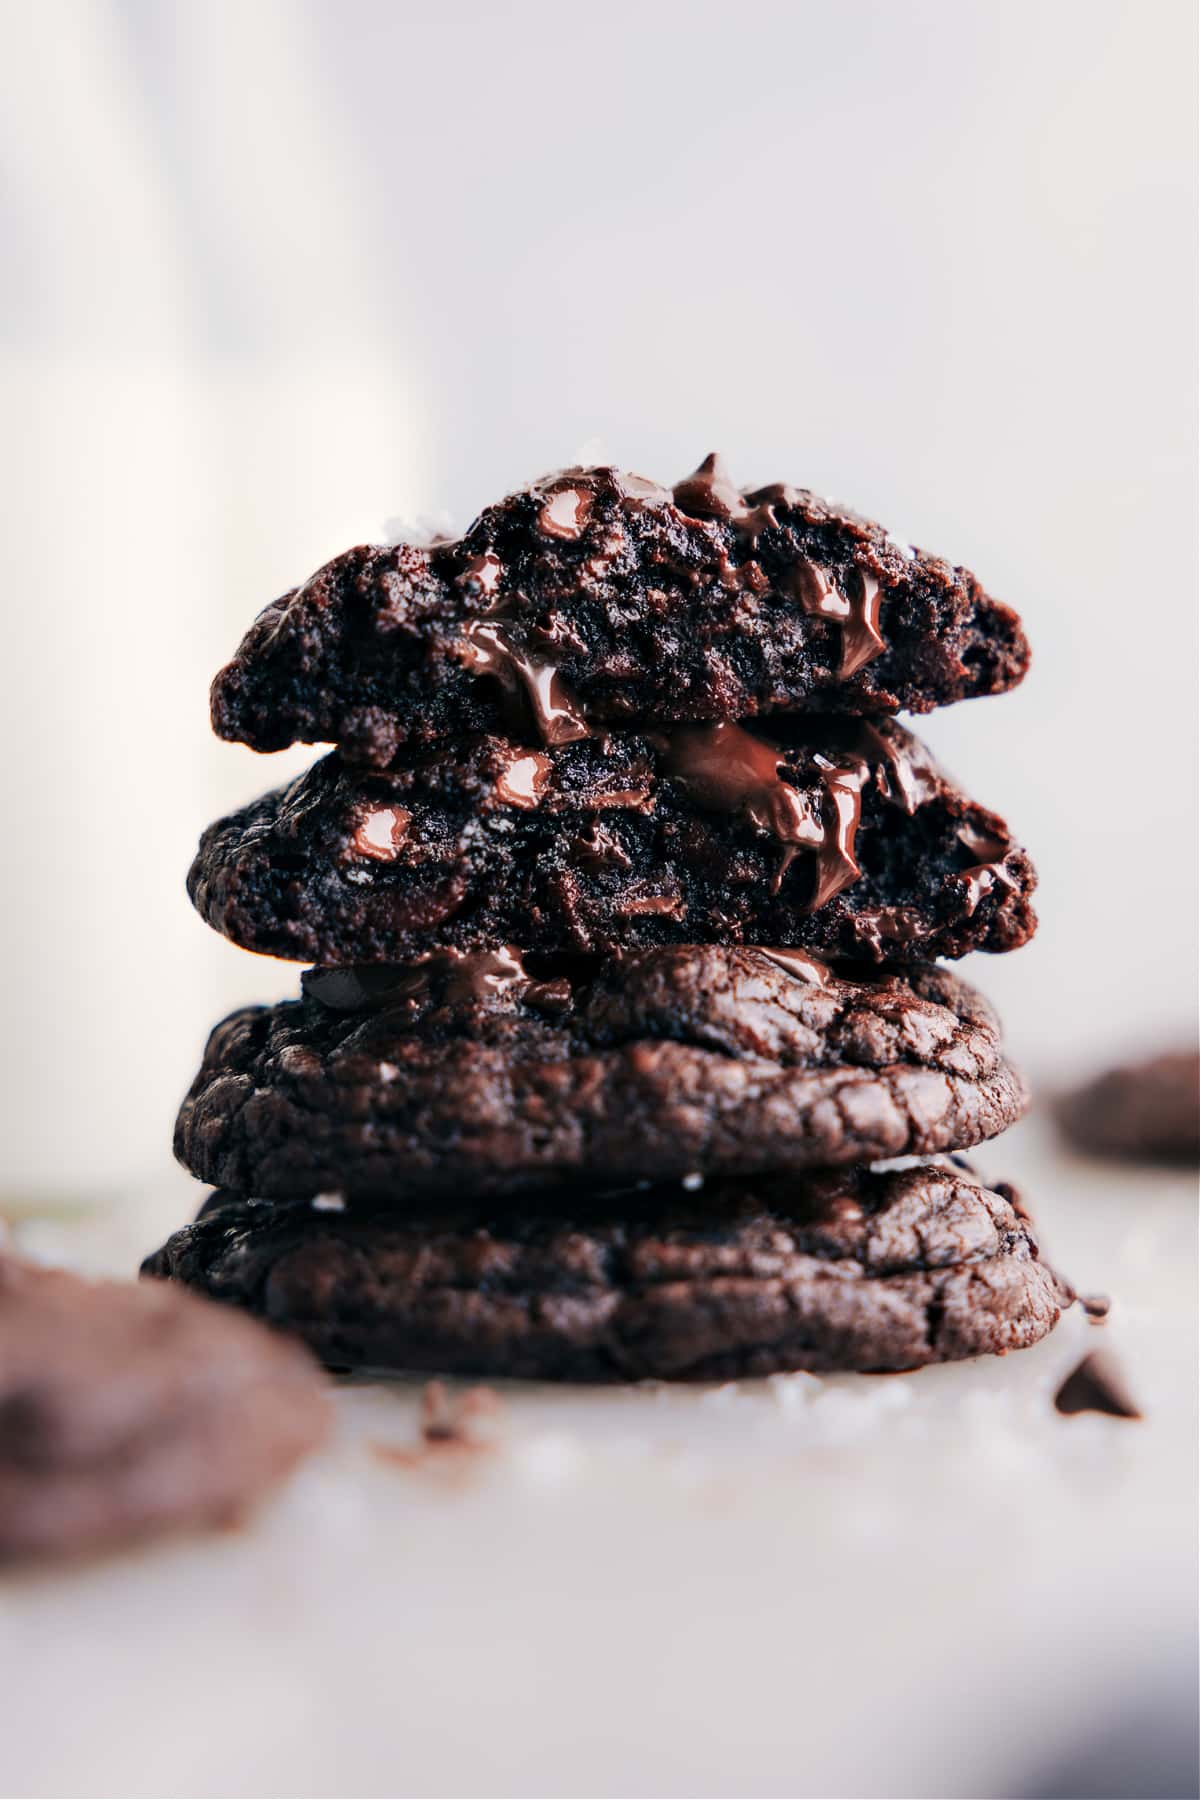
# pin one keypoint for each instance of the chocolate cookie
(595, 599)
(483, 1075)
(1148, 1112)
(128, 1410)
(868, 1270)
(834, 835)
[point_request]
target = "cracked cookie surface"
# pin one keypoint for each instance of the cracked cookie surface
(595, 599)
(487, 1074)
(858, 1270)
(835, 835)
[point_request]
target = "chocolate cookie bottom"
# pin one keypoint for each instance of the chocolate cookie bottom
(859, 1270)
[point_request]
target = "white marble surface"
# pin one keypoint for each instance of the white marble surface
(921, 1585)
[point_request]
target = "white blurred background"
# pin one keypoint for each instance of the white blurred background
(280, 271)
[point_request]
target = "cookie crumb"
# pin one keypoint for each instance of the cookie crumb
(448, 1422)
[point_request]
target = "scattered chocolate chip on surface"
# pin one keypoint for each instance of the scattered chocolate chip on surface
(1097, 1385)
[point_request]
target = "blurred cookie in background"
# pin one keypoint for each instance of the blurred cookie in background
(1147, 1111)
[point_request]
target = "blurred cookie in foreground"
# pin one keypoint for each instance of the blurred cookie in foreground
(1146, 1112)
(862, 1269)
(127, 1411)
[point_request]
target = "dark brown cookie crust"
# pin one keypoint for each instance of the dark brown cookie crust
(1145, 1112)
(861, 1270)
(126, 1411)
(833, 835)
(596, 598)
(478, 1076)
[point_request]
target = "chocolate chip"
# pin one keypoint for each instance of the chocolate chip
(1096, 1385)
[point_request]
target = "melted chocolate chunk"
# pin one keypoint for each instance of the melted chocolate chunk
(597, 850)
(564, 510)
(905, 769)
(379, 833)
(856, 611)
(456, 976)
(490, 647)
(710, 493)
(799, 964)
(728, 769)
(524, 780)
(595, 599)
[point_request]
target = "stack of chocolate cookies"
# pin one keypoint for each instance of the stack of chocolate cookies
(622, 892)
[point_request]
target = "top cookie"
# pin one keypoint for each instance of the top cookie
(596, 599)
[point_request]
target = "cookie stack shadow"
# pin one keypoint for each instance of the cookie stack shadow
(624, 1051)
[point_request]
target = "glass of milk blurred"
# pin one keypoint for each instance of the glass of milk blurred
(206, 400)
(156, 507)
